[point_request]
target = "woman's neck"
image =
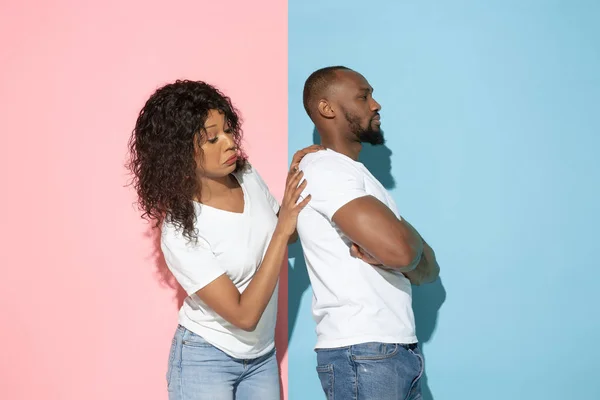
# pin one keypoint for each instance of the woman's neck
(215, 188)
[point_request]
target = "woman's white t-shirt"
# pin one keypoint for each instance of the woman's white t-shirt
(228, 243)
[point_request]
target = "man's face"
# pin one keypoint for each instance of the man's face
(354, 98)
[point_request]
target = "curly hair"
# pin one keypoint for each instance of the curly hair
(161, 150)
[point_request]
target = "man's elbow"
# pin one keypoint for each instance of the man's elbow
(404, 258)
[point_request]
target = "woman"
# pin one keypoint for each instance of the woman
(224, 238)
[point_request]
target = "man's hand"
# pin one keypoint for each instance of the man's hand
(357, 252)
(427, 270)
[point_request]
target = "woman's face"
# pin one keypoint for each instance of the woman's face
(216, 154)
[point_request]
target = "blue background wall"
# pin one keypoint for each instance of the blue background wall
(491, 112)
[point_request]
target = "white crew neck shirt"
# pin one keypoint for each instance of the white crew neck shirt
(228, 243)
(353, 302)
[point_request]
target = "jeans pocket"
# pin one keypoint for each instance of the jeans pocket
(373, 351)
(415, 387)
(326, 377)
(192, 340)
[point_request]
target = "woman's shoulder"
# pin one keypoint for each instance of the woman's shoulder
(172, 231)
(256, 185)
(248, 173)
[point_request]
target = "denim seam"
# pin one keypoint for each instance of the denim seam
(330, 372)
(421, 370)
(332, 387)
(325, 368)
(172, 352)
(180, 369)
(332, 349)
(355, 375)
(191, 343)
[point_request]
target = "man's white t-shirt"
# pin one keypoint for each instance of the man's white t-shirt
(228, 243)
(353, 302)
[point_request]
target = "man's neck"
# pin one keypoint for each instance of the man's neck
(348, 148)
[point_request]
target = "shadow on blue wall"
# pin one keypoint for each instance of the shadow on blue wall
(427, 299)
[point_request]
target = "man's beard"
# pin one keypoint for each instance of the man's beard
(368, 135)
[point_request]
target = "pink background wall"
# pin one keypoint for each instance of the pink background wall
(85, 310)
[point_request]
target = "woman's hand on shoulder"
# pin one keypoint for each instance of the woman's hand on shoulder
(290, 207)
(299, 155)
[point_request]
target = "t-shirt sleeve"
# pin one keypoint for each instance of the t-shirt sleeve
(332, 183)
(263, 186)
(192, 263)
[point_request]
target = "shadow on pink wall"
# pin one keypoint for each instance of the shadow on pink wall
(162, 272)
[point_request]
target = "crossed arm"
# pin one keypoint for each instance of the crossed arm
(381, 239)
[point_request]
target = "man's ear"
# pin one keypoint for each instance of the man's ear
(325, 109)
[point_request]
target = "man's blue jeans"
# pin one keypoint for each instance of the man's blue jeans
(371, 371)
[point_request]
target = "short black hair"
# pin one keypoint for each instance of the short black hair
(316, 84)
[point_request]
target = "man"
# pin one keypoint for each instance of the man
(361, 255)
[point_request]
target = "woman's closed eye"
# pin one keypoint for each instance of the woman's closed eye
(214, 139)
